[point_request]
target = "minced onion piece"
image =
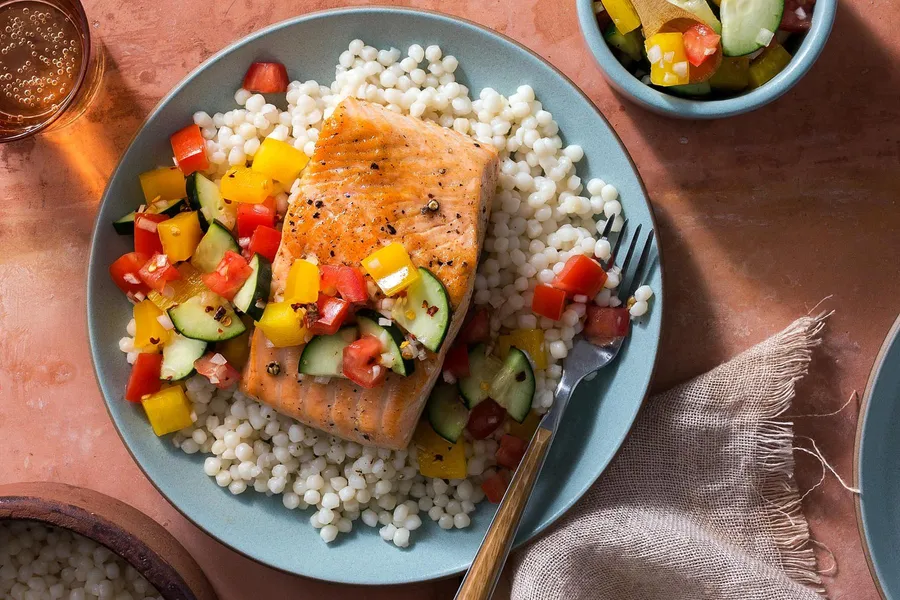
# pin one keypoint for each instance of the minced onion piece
(654, 54)
(218, 359)
(130, 278)
(764, 36)
(669, 56)
(165, 321)
(670, 79)
(448, 377)
(580, 298)
(387, 359)
(161, 260)
(147, 225)
(243, 242)
(801, 14)
(168, 291)
(385, 322)
(709, 51)
(680, 69)
(599, 8)
(322, 380)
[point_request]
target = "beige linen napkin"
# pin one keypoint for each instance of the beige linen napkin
(700, 503)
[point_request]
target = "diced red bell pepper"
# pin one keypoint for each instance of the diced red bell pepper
(331, 314)
(700, 42)
(604, 324)
(794, 20)
(189, 149)
(548, 302)
(485, 418)
(250, 216)
(214, 367)
(580, 275)
(146, 237)
(457, 361)
(229, 276)
(494, 487)
(266, 78)
(265, 241)
(349, 282)
(125, 273)
(361, 362)
(511, 451)
(144, 377)
(158, 271)
(477, 327)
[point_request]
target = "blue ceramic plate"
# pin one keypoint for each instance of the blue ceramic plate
(878, 467)
(260, 527)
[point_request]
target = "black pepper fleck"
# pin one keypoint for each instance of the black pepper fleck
(316, 215)
(391, 229)
(332, 254)
(319, 204)
(374, 166)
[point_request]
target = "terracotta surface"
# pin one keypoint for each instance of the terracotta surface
(761, 217)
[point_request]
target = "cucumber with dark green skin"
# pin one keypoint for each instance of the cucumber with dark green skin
(425, 310)
(446, 412)
(125, 225)
(179, 355)
(482, 369)
(323, 356)
(170, 208)
(252, 297)
(513, 385)
(211, 321)
(212, 247)
(368, 325)
(203, 196)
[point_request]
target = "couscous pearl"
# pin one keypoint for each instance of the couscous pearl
(445, 522)
(643, 293)
(639, 308)
(312, 497)
(461, 520)
(387, 532)
(328, 533)
(558, 349)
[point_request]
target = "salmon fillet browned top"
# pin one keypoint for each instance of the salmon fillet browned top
(372, 173)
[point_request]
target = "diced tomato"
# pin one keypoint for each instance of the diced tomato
(265, 241)
(548, 302)
(511, 451)
(125, 273)
(144, 377)
(604, 325)
(794, 20)
(229, 276)
(700, 42)
(146, 238)
(580, 275)
(477, 327)
(361, 362)
(189, 149)
(485, 418)
(158, 271)
(332, 312)
(266, 78)
(349, 282)
(250, 216)
(214, 367)
(494, 487)
(457, 361)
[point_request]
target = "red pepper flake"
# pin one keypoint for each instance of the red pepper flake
(432, 310)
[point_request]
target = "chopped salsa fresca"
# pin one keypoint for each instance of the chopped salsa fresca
(721, 48)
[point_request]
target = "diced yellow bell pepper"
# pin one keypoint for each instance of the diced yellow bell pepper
(437, 457)
(165, 183)
(168, 410)
(767, 65)
(237, 350)
(525, 430)
(180, 235)
(188, 286)
(282, 325)
(530, 341)
(671, 67)
(622, 14)
(240, 184)
(391, 268)
(732, 75)
(302, 283)
(149, 334)
(279, 160)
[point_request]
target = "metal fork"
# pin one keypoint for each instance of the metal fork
(584, 358)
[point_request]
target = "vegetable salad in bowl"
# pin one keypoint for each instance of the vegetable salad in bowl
(280, 315)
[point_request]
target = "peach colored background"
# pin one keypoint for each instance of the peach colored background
(761, 217)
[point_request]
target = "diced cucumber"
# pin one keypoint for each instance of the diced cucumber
(206, 317)
(391, 337)
(170, 208)
(125, 225)
(631, 44)
(745, 23)
(701, 9)
(691, 90)
(446, 413)
(204, 197)
(179, 355)
(513, 385)
(425, 311)
(212, 247)
(252, 297)
(323, 356)
(482, 369)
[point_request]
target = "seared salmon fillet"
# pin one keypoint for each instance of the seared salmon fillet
(368, 184)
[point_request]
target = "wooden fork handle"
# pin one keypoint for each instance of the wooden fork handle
(486, 568)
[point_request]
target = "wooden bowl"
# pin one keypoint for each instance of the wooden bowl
(136, 538)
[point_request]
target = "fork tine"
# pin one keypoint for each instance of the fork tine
(631, 247)
(642, 262)
(612, 256)
(607, 228)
